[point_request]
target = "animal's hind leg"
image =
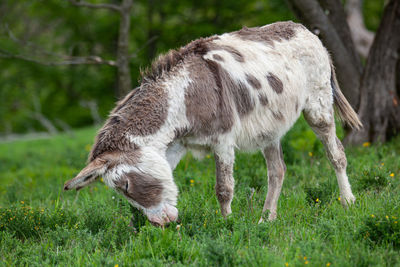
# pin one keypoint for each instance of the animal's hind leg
(323, 125)
(225, 183)
(276, 173)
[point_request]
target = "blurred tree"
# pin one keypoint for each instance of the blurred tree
(362, 37)
(72, 33)
(372, 89)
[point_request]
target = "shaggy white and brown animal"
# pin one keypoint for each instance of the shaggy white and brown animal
(241, 90)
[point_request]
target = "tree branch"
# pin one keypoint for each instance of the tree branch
(95, 6)
(140, 49)
(90, 60)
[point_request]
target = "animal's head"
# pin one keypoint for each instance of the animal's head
(143, 176)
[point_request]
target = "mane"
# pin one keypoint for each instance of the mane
(166, 62)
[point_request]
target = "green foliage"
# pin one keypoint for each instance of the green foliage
(381, 230)
(92, 227)
(320, 194)
(372, 178)
(65, 30)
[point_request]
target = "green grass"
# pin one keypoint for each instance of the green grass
(42, 225)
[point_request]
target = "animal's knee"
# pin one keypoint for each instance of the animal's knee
(320, 122)
(278, 172)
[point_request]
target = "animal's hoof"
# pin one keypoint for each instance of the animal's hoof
(347, 201)
(271, 217)
(226, 211)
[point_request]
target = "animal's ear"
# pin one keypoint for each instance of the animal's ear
(87, 175)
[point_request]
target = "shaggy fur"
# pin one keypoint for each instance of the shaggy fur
(242, 90)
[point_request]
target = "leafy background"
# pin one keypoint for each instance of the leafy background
(57, 28)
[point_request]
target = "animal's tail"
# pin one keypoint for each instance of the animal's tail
(345, 111)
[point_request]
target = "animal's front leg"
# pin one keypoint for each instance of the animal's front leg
(174, 153)
(276, 173)
(225, 183)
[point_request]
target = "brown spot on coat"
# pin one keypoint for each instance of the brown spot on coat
(278, 31)
(206, 99)
(211, 97)
(275, 83)
(241, 95)
(263, 100)
(218, 57)
(143, 189)
(278, 115)
(231, 89)
(253, 81)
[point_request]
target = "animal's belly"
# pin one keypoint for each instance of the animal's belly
(263, 127)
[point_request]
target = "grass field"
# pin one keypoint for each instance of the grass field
(42, 225)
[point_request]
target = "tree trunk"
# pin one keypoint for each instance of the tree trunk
(362, 37)
(336, 14)
(378, 86)
(379, 104)
(124, 73)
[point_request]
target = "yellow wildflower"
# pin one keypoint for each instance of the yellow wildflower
(366, 144)
(102, 180)
(328, 264)
(317, 200)
(306, 262)
(286, 264)
(391, 175)
(305, 257)
(339, 198)
(116, 265)
(387, 217)
(310, 154)
(372, 215)
(208, 156)
(383, 163)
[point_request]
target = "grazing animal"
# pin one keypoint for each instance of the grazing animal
(241, 90)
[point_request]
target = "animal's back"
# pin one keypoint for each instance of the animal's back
(246, 87)
(274, 69)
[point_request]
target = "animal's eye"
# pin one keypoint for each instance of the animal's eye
(126, 187)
